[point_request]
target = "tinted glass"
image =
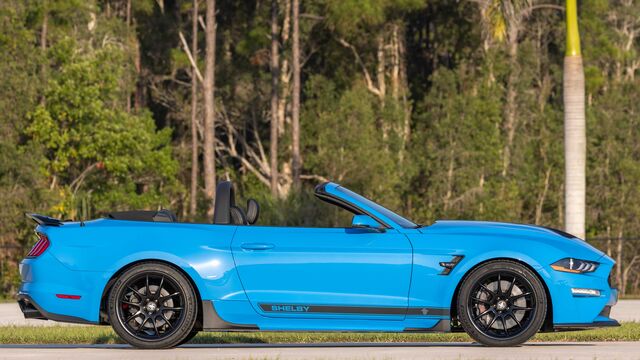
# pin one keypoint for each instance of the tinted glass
(379, 208)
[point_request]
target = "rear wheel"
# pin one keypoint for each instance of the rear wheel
(152, 306)
(191, 335)
(502, 303)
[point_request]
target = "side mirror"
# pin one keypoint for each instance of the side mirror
(366, 222)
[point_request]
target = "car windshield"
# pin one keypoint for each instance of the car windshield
(378, 208)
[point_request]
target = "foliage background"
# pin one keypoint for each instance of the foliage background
(438, 109)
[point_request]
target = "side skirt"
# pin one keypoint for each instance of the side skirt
(576, 327)
(211, 321)
(441, 326)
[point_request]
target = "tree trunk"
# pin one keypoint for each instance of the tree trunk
(575, 141)
(193, 200)
(275, 64)
(43, 46)
(380, 69)
(619, 248)
(575, 146)
(395, 62)
(139, 96)
(209, 107)
(296, 161)
(285, 74)
(128, 22)
(542, 197)
(510, 106)
(128, 14)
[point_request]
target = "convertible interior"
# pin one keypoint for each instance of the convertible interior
(226, 211)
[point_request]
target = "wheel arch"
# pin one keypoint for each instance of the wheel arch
(104, 317)
(547, 325)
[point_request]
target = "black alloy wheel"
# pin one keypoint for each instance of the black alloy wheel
(502, 303)
(152, 305)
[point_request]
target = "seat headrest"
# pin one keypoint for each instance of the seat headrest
(165, 215)
(225, 199)
(253, 211)
(237, 216)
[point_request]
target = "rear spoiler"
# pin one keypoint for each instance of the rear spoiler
(44, 220)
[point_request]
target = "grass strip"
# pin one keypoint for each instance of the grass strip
(105, 335)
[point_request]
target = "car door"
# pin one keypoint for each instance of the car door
(324, 272)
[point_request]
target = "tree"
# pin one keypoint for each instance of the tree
(209, 108)
(438, 109)
(574, 127)
(193, 199)
(275, 74)
(296, 161)
(20, 90)
(97, 156)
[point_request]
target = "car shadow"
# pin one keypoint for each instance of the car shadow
(283, 345)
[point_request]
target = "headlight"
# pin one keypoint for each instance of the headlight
(574, 266)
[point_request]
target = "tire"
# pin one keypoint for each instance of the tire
(191, 335)
(502, 315)
(152, 306)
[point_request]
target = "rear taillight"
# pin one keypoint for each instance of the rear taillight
(40, 246)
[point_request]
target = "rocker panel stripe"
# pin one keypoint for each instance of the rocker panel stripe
(332, 309)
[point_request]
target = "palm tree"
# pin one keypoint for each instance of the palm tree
(575, 142)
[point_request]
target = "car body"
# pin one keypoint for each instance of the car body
(382, 274)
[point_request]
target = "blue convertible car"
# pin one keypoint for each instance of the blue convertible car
(158, 282)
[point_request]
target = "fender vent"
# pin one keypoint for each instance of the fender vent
(449, 265)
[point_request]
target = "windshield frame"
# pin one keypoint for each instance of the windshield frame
(391, 215)
(357, 204)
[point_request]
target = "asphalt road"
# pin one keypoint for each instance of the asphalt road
(626, 310)
(595, 350)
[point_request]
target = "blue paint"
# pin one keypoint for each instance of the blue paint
(294, 269)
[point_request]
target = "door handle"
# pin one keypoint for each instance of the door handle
(257, 246)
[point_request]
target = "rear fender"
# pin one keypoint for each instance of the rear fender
(196, 278)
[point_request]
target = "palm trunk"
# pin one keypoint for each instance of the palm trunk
(273, 149)
(296, 161)
(575, 146)
(209, 107)
(193, 200)
(575, 142)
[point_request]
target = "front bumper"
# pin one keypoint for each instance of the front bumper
(602, 320)
(582, 309)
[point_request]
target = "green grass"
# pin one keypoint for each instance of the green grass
(104, 335)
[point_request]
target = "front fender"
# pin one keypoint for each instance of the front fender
(430, 288)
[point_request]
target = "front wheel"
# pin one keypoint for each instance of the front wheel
(502, 303)
(152, 306)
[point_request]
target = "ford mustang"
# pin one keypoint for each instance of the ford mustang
(158, 281)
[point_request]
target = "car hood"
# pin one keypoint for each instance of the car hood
(556, 238)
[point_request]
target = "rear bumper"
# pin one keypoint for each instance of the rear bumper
(44, 277)
(31, 310)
